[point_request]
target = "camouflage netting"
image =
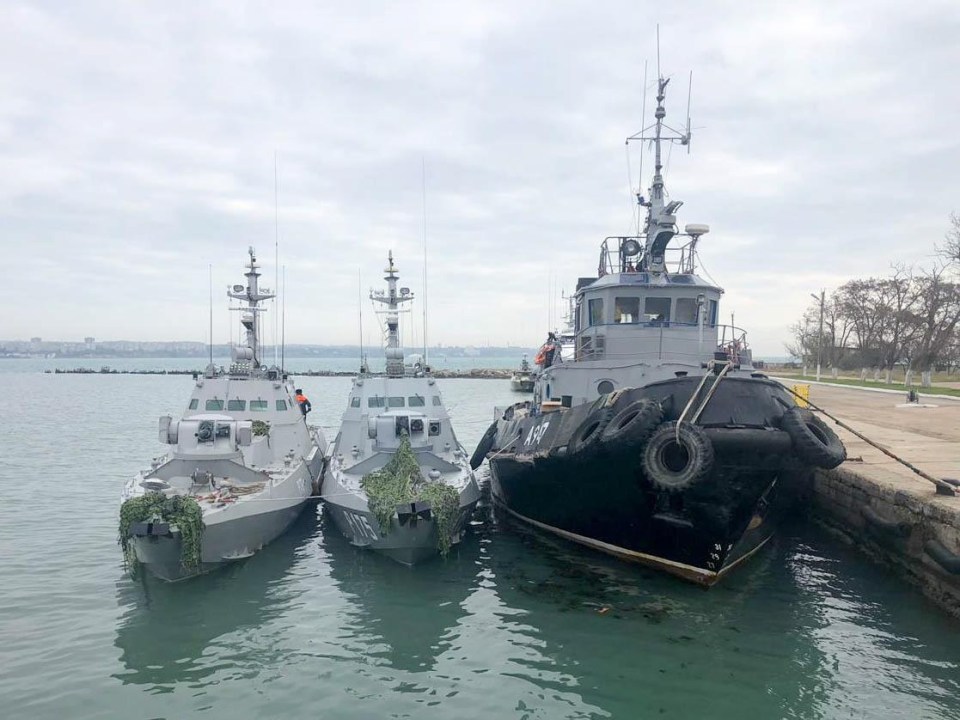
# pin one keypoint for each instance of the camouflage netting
(400, 482)
(179, 510)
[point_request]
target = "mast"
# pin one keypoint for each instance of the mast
(661, 219)
(253, 294)
(393, 299)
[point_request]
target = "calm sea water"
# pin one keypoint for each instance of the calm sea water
(510, 626)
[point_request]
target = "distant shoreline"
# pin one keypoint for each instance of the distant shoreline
(468, 374)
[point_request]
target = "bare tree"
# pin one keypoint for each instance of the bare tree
(950, 250)
(936, 318)
(910, 318)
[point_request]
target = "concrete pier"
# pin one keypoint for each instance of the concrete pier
(882, 506)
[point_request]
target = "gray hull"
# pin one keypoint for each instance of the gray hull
(223, 543)
(410, 542)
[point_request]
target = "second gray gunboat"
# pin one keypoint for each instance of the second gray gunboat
(398, 481)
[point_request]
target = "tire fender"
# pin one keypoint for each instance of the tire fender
(586, 438)
(630, 428)
(483, 447)
(676, 458)
(813, 440)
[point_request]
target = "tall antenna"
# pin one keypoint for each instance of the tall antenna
(689, 93)
(658, 50)
(283, 320)
(423, 187)
(210, 279)
(643, 119)
(276, 247)
(360, 313)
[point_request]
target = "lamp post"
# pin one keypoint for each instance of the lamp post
(820, 299)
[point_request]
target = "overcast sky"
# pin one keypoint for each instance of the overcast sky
(137, 148)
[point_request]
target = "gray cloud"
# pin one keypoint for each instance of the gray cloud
(137, 143)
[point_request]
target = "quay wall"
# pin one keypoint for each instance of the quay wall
(883, 507)
(894, 526)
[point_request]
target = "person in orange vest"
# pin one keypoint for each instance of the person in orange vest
(302, 401)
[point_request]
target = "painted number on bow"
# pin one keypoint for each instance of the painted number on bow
(537, 433)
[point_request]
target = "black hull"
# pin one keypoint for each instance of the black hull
(603, 499)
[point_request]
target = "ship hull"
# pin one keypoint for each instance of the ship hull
(223, 543)
(409, 540)
(524, 385)
(231, 533)
(604, 499)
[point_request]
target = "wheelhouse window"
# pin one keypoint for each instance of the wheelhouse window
(657, 309)
(236, 404)
(396, 402)
(355, 402)
(214, 404)
(595, 312)
(626, 310)
(376, 401)
(258, 406)
(281, 404)
(194, 403)
(712, 312)
(687, 311)
(416, 401)
(436, 400)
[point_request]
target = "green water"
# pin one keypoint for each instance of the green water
(510, 626)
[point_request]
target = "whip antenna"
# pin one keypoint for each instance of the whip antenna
(283, 320)
(423, 188)
(276, 248)
(360, 314)
(210, 279)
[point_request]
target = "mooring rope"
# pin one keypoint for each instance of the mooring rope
(943, 488)
(696, 394)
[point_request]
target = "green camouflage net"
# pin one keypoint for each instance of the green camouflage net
(179, 510)
(400, 482)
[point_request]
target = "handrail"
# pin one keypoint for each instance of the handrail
(612, 260)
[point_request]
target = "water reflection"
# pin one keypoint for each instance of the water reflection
(621, 633)
(408, 613)
(168, 632)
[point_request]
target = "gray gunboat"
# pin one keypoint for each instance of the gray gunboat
(384, 411)
(522, 379)
(242, 451)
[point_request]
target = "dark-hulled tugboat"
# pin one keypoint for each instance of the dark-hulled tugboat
(658, 442)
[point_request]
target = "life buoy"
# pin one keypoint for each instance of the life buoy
(539, 358)
(586, 438)
(813, 440)
(631, 427)
(675, 459)
(483, 447)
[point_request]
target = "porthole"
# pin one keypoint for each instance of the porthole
(605, 387)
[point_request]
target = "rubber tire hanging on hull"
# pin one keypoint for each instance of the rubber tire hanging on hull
(675, 466)
(813, 440)
(631, 427)
(586, 438)
(483, 447)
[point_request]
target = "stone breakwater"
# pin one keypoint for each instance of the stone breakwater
(471, 374)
